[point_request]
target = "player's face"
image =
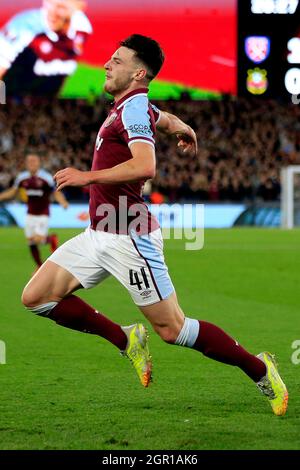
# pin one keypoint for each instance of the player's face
(59, 12)
(121, 71)
(33, 163)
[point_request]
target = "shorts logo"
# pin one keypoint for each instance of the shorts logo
(110, 119)
(146, 294)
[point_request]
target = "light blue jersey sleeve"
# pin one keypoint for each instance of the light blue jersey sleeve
(137, 122)
(46, 177)
(156, 112)
(17, 34)
(20, 177)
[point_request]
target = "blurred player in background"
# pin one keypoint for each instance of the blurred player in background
(39, 48)
(35, 187)
(132, 251)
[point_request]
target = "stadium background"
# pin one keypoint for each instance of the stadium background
(64, 390)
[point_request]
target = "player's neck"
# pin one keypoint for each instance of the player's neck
(66, 27)
(120, 95)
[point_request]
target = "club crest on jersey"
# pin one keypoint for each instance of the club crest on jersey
(46, 47)
(110, 119)
(257, 48)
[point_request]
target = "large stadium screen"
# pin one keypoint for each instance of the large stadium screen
(198, 37)
(269, 48)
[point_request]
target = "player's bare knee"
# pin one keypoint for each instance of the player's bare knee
(168, 334)
(30, 297)
(36, 304)
(38, 239)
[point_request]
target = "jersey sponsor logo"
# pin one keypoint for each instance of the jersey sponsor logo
(110, 119)
(35, 192)
(54, 67)
(257, 48)
(141, 129)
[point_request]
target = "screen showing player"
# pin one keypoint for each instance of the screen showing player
(60, 46)
(40, 46)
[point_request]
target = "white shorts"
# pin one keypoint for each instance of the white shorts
(138, 263)
(36, 225)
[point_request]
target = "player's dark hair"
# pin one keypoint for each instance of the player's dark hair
(148, 51)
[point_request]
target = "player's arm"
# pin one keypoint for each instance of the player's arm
(60, 198)
(8, 194)
(15, 36)
(140, 167)
(171, 125)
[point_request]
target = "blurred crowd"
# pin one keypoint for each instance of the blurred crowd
(243, 144)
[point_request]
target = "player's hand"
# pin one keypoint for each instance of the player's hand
(187, 141)
(71, 177)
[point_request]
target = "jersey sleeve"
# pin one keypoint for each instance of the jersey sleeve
(20, 177)
(17, 182)
(136, 122)
(48, 178)
(15, 37)
(156, 113)
(80, 22)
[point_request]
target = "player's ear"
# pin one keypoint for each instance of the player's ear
(140, 74)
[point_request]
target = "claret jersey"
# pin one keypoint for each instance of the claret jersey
(132, 119)
(36, 58)
(38, 189)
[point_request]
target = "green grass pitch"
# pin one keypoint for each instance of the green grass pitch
(62, 389)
